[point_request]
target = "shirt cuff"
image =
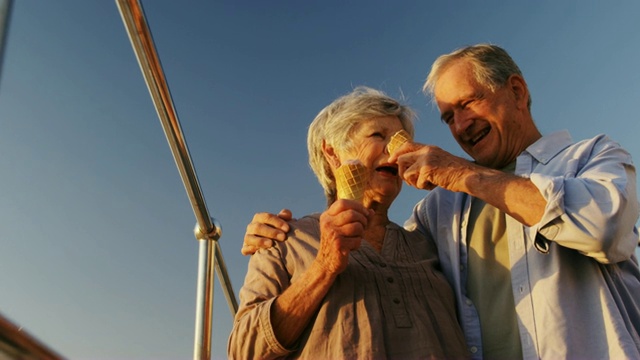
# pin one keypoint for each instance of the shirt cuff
(264, 321)
(552, 190)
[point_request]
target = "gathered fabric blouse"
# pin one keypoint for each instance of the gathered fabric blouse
(395, 304)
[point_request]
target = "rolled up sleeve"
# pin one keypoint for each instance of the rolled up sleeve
(591, 198)
(253, 335)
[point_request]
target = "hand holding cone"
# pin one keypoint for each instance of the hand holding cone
(397, 140)
(351, 180)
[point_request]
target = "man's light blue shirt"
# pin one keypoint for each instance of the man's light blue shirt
(574, 275)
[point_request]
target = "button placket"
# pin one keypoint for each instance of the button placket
(396, 303)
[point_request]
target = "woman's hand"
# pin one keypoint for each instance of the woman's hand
(342, 229)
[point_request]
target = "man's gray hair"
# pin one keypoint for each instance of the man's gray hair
(492, 66)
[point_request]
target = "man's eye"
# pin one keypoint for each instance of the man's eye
(447, 120)
(377, 134)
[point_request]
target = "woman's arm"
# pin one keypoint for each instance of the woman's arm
(289, 311)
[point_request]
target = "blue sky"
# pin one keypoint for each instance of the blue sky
(98, 258)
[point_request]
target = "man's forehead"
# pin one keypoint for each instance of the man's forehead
(455, 82)
(456, 71)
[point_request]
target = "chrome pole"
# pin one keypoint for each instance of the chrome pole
(5, 11)
(207, 230)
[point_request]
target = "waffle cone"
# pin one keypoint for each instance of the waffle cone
(351, 180)
(397, 140)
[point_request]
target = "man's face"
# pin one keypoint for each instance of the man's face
(487, 125)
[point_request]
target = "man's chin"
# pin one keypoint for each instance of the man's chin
(482, 160)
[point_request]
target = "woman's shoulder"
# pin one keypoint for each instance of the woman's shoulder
(303, 230)
(310, 221)
(303, 240)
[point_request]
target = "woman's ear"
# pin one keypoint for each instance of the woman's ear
(330, 154)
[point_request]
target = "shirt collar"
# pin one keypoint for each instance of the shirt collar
(548, 146)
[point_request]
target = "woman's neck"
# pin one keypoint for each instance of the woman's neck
(377, 227)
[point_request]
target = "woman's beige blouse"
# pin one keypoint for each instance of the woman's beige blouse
(393, 304)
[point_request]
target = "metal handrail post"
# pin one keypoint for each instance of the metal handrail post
(207, 230)
(5, 12)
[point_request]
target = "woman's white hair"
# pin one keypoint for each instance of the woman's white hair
(335, 123)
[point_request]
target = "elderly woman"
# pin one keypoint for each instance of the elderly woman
(349, 283)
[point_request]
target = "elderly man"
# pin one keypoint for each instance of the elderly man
(537, 235)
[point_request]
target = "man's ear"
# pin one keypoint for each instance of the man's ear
(331, 155)
(518, 86)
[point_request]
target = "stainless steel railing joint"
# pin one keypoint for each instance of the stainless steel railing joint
(213, 233)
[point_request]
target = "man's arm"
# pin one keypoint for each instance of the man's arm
(593, 205)
(588, 205)
(514, 195)
(426, 166)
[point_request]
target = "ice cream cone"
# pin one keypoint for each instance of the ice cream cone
(397, 140)
(351, 180)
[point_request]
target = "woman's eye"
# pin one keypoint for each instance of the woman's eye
(377, 134)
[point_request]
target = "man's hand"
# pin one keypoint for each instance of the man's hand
(264, 229)
(427, 166)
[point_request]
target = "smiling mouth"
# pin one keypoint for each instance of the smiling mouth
(388, 169)
(481, 135)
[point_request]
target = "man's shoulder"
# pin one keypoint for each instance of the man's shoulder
(595, 145)
(442, 197)
(438, 205)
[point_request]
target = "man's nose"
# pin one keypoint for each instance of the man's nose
(461, 121)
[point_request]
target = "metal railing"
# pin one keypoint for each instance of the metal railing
(207, 229)
(5, 11)
(17, 343)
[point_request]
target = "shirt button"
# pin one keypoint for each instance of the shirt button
(461, 267)
(473, 349)
(468, 301)
(521, 289)
(383, 265)
(396, 300)
(390, 280)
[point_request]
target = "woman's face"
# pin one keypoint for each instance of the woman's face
(369, 139)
